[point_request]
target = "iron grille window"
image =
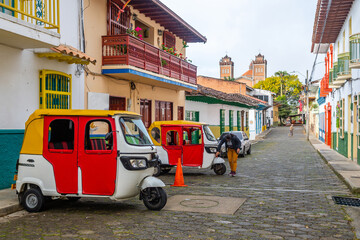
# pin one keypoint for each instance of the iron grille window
(55, 90)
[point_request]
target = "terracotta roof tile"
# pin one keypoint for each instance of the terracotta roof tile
(235, 97)
(248, 73)
(71, 51)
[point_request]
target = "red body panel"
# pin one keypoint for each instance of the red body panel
(98, 167)
(64, 161)
(191, 154)
(174, 151)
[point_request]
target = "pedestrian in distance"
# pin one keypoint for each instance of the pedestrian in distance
(291, 133)
(232, 144)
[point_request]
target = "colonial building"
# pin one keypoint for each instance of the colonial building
(142, 58)
(339, 93)
(257, 71)
(222, 111)
(226, 68)
(41, 67)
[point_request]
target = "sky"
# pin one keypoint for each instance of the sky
(281, 30)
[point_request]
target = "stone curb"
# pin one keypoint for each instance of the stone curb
(353, 187)
(10, 209)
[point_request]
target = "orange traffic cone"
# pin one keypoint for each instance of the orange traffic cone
(179, 178)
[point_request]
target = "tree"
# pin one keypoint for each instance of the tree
(284, 108)
(282, 84)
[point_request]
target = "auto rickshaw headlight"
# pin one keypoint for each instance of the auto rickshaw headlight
(211, 149)
(134, 163)
(138, 163)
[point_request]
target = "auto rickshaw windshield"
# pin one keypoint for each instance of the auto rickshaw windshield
(208, 133)
(134, 131)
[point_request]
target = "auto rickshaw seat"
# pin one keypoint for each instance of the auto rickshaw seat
(61, 145)
(98, 144)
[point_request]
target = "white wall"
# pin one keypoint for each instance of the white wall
(210, 113)
(19, 80)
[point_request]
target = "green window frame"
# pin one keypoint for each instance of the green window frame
(222, 121)
(55, 90)
(192, 116)
(342, 117)
(231, 120)
(238, 122)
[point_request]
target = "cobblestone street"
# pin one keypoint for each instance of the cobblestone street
(287, 187)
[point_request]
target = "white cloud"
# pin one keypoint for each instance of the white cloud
(279, 29)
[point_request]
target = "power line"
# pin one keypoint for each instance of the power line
(321, 37)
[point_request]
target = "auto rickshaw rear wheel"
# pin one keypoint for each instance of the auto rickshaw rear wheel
(33, 200)
(154, 198)
(219, 168)
(157, 171)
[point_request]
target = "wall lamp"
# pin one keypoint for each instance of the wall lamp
(160, 32)
(134, 16)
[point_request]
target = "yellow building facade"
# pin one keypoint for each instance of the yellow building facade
(142, 64)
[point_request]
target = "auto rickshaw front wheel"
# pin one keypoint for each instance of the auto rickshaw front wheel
(219, 168)
(154, 198)
(33, 200)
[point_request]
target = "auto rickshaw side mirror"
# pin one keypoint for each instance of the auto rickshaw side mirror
(108, 135)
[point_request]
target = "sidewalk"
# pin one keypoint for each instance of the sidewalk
(347, 170)
(9, 202)
(261, 136)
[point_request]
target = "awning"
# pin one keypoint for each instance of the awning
(66, 53)
(163, 15)
(338, 12)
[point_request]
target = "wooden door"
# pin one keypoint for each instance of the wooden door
(145, 111)
(180, 113)
(117, 103)
(163, 111)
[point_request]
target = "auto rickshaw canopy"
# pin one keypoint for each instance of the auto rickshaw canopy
(34, 126)
(175, 123)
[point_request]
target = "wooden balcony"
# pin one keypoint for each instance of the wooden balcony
(355, 51)
(124, 50)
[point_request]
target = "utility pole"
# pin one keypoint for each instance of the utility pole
(307, 105)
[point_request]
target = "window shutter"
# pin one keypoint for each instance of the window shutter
(169, 39)
(238, 121)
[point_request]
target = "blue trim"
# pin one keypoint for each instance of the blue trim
(321, 100)
(131, 71)
(12, 131)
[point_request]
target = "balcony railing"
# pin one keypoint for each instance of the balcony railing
(44, 13)
(127, 50)
(344, 71)
(335, 72)
(331, 73)
(355, 51)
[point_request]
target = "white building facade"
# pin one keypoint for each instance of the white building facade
(33, 74)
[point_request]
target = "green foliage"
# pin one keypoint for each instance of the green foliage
(229, 79)
(284, 108)
(282, 84)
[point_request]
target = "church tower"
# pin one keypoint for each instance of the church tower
(259, 68)
(226, 67)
